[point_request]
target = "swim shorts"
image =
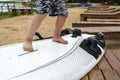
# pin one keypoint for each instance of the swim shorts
(52, 7)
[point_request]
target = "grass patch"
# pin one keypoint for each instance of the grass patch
(4, 15)
(71, 5)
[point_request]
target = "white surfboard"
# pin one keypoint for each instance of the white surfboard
(49, 61)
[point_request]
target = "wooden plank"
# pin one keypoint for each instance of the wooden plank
(94, 24)
(104, 65)
(99, 8)
(96, 75)
(85, 77)
(102, 11)
(111, 75)
(96, 67)
(114, 62)
(113, 32)
(100, 29)
(85, 16)
(107, 73)
(116, 54)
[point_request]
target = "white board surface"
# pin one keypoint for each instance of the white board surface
(14, 64)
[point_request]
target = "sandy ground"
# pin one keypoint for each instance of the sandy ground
(13, 30)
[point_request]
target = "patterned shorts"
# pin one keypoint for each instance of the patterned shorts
(52, 7)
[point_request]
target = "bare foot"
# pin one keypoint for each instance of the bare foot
(60, 40)
(27, 46)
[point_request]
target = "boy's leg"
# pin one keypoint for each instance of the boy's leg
(59, 9)
(58, 26)
(34, 25)
(42, 9)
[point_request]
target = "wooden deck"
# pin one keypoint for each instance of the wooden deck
(107, 69)
(114, 15)
(99, 11)
(100, 8)
(113, 32)
(94, 24)
(109, 66)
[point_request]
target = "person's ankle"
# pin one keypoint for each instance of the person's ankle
(28, 40)
(56, 36)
